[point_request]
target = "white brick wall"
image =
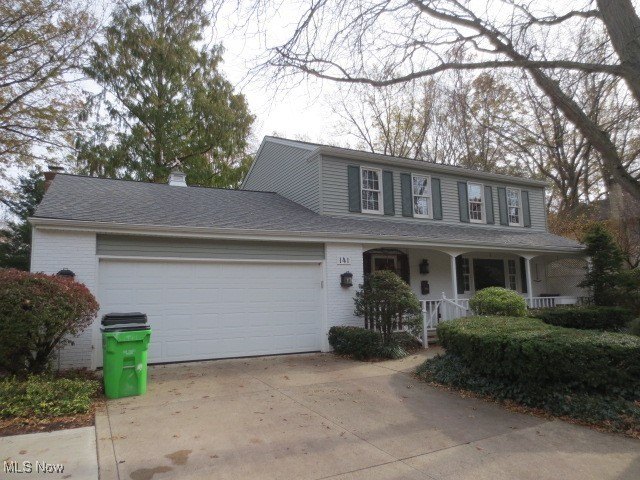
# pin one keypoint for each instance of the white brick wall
(54, 250)
(339, 300)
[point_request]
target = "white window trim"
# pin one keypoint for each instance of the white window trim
(520, 222)
(380, 210)
(484, 207)
(429, 196)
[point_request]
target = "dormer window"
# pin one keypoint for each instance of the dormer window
(514, 203)
(476, 202)
(421, 190)
(371, 190)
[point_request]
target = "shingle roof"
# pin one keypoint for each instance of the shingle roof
(122, 202)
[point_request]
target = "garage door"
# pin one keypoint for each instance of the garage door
(201, 310)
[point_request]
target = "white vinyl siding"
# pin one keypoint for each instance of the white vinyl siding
(421, 196)
(335, 196)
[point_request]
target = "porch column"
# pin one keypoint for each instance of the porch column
(527, 266)
(454, 276)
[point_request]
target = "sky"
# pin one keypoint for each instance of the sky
(300, 109)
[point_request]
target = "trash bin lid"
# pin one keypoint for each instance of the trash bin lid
(125, 327)
(124, 318)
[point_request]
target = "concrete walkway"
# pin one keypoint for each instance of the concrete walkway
(56, 455)
(319, 416)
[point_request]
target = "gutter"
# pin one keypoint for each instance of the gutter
(251, 234)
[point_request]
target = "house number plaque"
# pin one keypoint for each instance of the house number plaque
(344, 260)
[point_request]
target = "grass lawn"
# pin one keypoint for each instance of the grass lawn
(47, 402)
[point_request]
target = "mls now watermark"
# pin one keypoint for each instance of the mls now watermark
(33, 467)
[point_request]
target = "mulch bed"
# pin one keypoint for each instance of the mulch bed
(19, 426)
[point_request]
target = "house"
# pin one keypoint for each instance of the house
(255, 271)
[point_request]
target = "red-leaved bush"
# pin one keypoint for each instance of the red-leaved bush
(39, 313)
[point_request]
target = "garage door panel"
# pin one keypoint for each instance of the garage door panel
(200, 310)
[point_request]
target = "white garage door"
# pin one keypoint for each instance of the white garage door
(200, 310)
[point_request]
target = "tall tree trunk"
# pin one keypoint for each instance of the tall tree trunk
(623, 26)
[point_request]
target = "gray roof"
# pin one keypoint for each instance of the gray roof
(121, 202)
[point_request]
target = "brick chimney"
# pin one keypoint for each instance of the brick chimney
(50, 174)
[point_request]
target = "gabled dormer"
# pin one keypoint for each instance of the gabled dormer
(343, 182)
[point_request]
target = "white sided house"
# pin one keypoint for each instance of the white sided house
(257, 271)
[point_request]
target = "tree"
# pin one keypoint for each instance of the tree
(385, 301)
(352, 42)
(15, 239)
(168, 103)
(603, 274)
(42, 43)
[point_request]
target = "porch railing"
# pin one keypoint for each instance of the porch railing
(444, 309)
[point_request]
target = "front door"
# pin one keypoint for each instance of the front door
(488, 273)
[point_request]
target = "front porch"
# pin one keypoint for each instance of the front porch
(444, 280)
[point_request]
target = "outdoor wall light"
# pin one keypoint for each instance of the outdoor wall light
(424, 267)
(346, 279)
(66, 273)
(424, 287)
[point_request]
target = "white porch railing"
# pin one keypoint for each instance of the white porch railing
(444, 309)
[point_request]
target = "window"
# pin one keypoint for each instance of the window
(421, 189)
(513, 206)
(371, 190)
(466, 274)
(511, 274)
(476, 202)
(384, 262)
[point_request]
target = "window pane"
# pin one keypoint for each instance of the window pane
(370, 200)
(421, 205)
(513, 198)
(370, 180)
(420, 185)
(475, 211)
(475, 192)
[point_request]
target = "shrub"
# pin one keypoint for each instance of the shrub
(364, 344)
(588, 318)
(498, 301)
(44, 396)
(384, 299)
(611, 411)
(541, 356)
(38, 313)
(634, 327)
(357, 342)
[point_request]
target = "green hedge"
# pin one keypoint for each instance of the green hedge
(498, 301)
(538, 355)
(364, 344)
(588, 318)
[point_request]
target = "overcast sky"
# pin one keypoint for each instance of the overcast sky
(297, 110)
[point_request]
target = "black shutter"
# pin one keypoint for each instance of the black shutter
(502, 206)
(488, 198)
(354, 188)
(463, 201)
(436, 195)
(459, 278)
(407, 195)
(526, 211)
(523, 275)
(387, 192)
(403, 264)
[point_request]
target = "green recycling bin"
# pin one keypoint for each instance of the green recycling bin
(125, 341)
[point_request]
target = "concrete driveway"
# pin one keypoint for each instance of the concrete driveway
(319, 416)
